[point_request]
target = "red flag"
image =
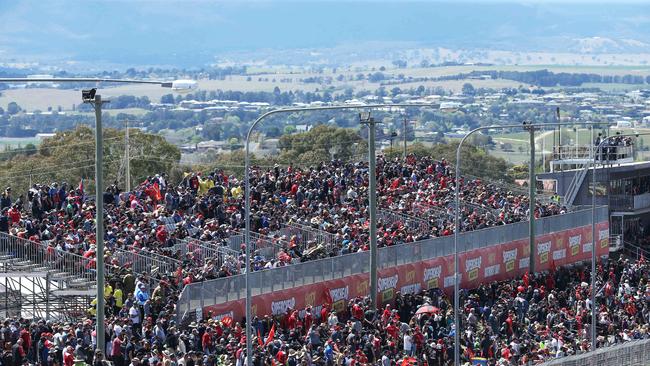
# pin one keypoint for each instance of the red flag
(553, 265)
(227, 321)
(407, 361)
(81, 186)
(156, 191)
(525, 279)
(328, 297)
(259, 339)
(271, 335)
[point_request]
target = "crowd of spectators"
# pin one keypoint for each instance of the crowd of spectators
(330, 197)
(517, 322)
(156, 216)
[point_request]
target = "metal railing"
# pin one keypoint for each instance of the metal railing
(574, 186)
(635, 251)
(586, 152)
(144, 262)
(203, 251)
(633, 353)
(233, 288)
(414, 225)
(44, 255)
(621, 202)
(306, 234)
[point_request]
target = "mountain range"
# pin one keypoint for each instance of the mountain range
(197, 33)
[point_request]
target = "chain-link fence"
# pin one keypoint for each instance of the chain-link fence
(634, 353)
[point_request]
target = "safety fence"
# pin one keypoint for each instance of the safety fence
(144, 262)
(44, 255)
(276, 280)
(203, 251)
(633, 353)
(307, 236)
(415, 226)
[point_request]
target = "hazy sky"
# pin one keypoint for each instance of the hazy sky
(141, 30)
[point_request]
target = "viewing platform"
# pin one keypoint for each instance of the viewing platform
(574, 156)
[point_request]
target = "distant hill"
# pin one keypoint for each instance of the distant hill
(195, 33)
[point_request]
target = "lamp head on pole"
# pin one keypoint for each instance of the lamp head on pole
(88, 95)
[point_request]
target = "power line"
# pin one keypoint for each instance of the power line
(11, 151)
(57, 170)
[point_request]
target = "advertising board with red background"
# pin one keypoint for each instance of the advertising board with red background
(494, 263)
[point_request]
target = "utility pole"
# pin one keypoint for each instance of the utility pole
(365, 118)
(531, 193)
(127, 186)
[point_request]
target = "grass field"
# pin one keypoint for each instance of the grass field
(613, 87)
(31, 99)
(17, 142)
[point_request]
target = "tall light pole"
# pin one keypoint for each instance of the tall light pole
(596, 154)
(532, 186)
(531, 128)
(96, 101)
(366, 119)
(90, 96)
(127, 156)
(249, 345)
(405, 136)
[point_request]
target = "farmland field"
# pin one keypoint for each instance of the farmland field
(17, 142)
(290, 80)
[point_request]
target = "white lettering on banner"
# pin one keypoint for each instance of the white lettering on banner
(575, 240)
(524, 263)
(279, 307)
(603, 234)
(433, 272)
(315, 310)
(388, 282)
(559, 254)
(411, 289)
(340, 293)
(473, 263)
(449, 281)
(509, 255)
(492, 270)
(544, 247)
(586, 247)
(219, 317)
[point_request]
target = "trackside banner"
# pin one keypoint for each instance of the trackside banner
(498, 262)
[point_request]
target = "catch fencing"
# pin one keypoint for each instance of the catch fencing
(415, 226)
(203, 251)
(233, 288)
(143, 262)
(633, 353)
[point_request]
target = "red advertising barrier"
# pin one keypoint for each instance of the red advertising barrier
(499, 262)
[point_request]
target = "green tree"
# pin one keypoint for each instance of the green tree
(13, 108)
(468, 89)
(70, 155)
(167, 99)
(288, 130)
(474, 161)
(321, 143)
